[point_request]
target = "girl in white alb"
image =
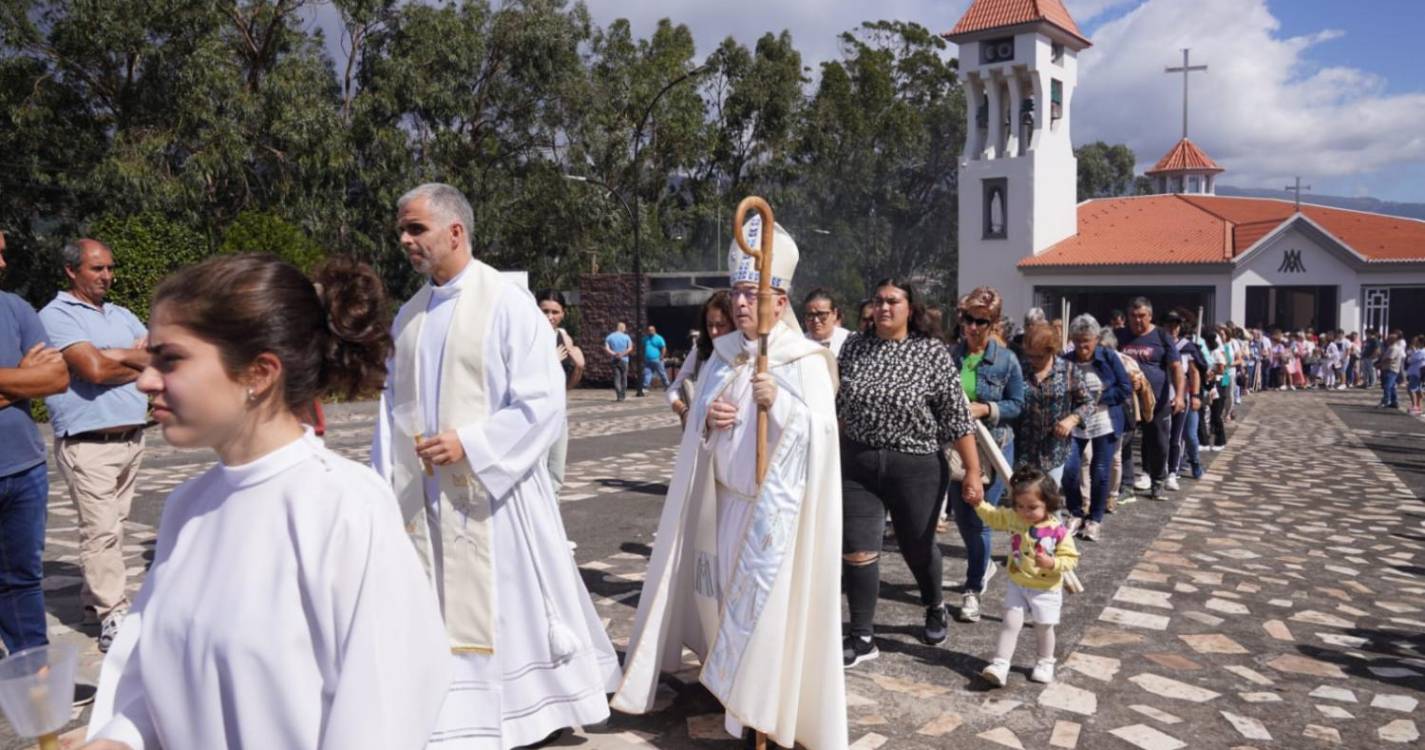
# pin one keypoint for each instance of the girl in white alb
(285, 607)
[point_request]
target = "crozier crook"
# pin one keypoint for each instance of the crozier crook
(763, 256)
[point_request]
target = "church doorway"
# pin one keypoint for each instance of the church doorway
(1102, 301)
(1292, 308)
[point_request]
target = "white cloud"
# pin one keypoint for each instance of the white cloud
(1262, 110)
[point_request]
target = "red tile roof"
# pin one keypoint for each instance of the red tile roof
(1190, 229)
(984, 15)
(1185, 157)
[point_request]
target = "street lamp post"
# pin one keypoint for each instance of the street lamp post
(633, 216)
(637, 250)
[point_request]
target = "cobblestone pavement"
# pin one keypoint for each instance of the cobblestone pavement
(1277, 603)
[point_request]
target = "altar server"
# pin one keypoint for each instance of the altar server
(285, 607)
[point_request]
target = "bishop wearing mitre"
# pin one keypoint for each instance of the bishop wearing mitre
(747, 574)
(473, 402)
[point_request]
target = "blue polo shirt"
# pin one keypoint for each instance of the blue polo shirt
(20, 444)
(617, 342)
(88, 406)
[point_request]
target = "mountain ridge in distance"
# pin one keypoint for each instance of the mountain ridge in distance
(1373, 205)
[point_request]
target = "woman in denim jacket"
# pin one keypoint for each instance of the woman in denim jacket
(994, 383)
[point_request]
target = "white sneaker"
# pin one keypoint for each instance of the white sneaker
(997, 673)
(1172, 483)
(1143, 482)
(109, 630)
(969, 608)
(1043, 671)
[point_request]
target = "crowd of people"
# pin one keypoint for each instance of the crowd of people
(1302, 360)
(299, 599)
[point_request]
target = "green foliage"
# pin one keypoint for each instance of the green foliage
(254, 232)
(146, 247)
(193, 126)
(1105, 171)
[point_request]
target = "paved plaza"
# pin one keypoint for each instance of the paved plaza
(1279, 602)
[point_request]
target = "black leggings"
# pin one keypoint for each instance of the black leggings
(1219, 415)
(910, 486)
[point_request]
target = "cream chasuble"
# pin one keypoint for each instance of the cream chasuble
(748, 576)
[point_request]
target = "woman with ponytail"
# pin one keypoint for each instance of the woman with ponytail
(285, 607)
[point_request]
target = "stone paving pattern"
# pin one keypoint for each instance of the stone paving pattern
(1277, 602)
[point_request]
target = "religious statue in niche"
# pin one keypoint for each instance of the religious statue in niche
(995, 209)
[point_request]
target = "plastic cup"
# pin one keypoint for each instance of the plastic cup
(37, 688)
(410, 420)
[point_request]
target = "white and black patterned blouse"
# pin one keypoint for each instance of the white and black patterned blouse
(900, 395)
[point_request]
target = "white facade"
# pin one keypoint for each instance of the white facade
(1018, 192)
(1299, 255)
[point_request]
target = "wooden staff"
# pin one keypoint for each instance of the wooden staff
(763, 256)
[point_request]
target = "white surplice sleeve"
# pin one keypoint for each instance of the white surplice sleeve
(382, 631)
(124, 707)
(674, 393)
(381, 435)
(527, 413)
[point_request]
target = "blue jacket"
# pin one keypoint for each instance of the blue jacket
(999, 384)
(1117, 385)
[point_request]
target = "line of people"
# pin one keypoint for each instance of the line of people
(298, 599)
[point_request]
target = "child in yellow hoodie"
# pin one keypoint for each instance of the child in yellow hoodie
(1041, 552)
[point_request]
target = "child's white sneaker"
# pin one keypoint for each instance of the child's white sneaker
(997, 673)
(1043, 671)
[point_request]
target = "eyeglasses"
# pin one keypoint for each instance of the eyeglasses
(970, 320)
(752, 293)
(887, 301)
(818, 316)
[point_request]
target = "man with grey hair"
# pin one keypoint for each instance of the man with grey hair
(474, 400)
(1156, 352)
(98, 423)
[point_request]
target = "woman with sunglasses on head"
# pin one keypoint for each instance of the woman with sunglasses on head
(900, 402)
(993, 381)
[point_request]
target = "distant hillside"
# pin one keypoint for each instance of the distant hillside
(1407, 210)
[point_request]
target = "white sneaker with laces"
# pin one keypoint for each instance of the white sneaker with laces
(1172, 483)
(1143, 482)
(969, 607)
(997, 673)
(1043, 671)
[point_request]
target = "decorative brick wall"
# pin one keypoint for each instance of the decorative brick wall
(604, 300)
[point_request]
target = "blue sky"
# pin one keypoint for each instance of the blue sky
(1383, 36)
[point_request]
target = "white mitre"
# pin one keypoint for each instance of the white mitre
(743, 267)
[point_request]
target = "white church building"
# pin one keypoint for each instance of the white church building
(1256, 262)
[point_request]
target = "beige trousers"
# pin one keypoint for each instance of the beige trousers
(101, 479)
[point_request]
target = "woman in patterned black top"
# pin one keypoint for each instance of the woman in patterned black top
(900, 401)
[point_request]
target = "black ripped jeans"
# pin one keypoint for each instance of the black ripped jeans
(910, 486)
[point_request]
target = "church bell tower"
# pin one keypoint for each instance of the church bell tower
(1018, 176)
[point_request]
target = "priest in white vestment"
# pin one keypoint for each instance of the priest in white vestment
(473, 403)
(747, 576)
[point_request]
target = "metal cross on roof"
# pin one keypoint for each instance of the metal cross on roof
(1297, 189)
(1186, 70)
